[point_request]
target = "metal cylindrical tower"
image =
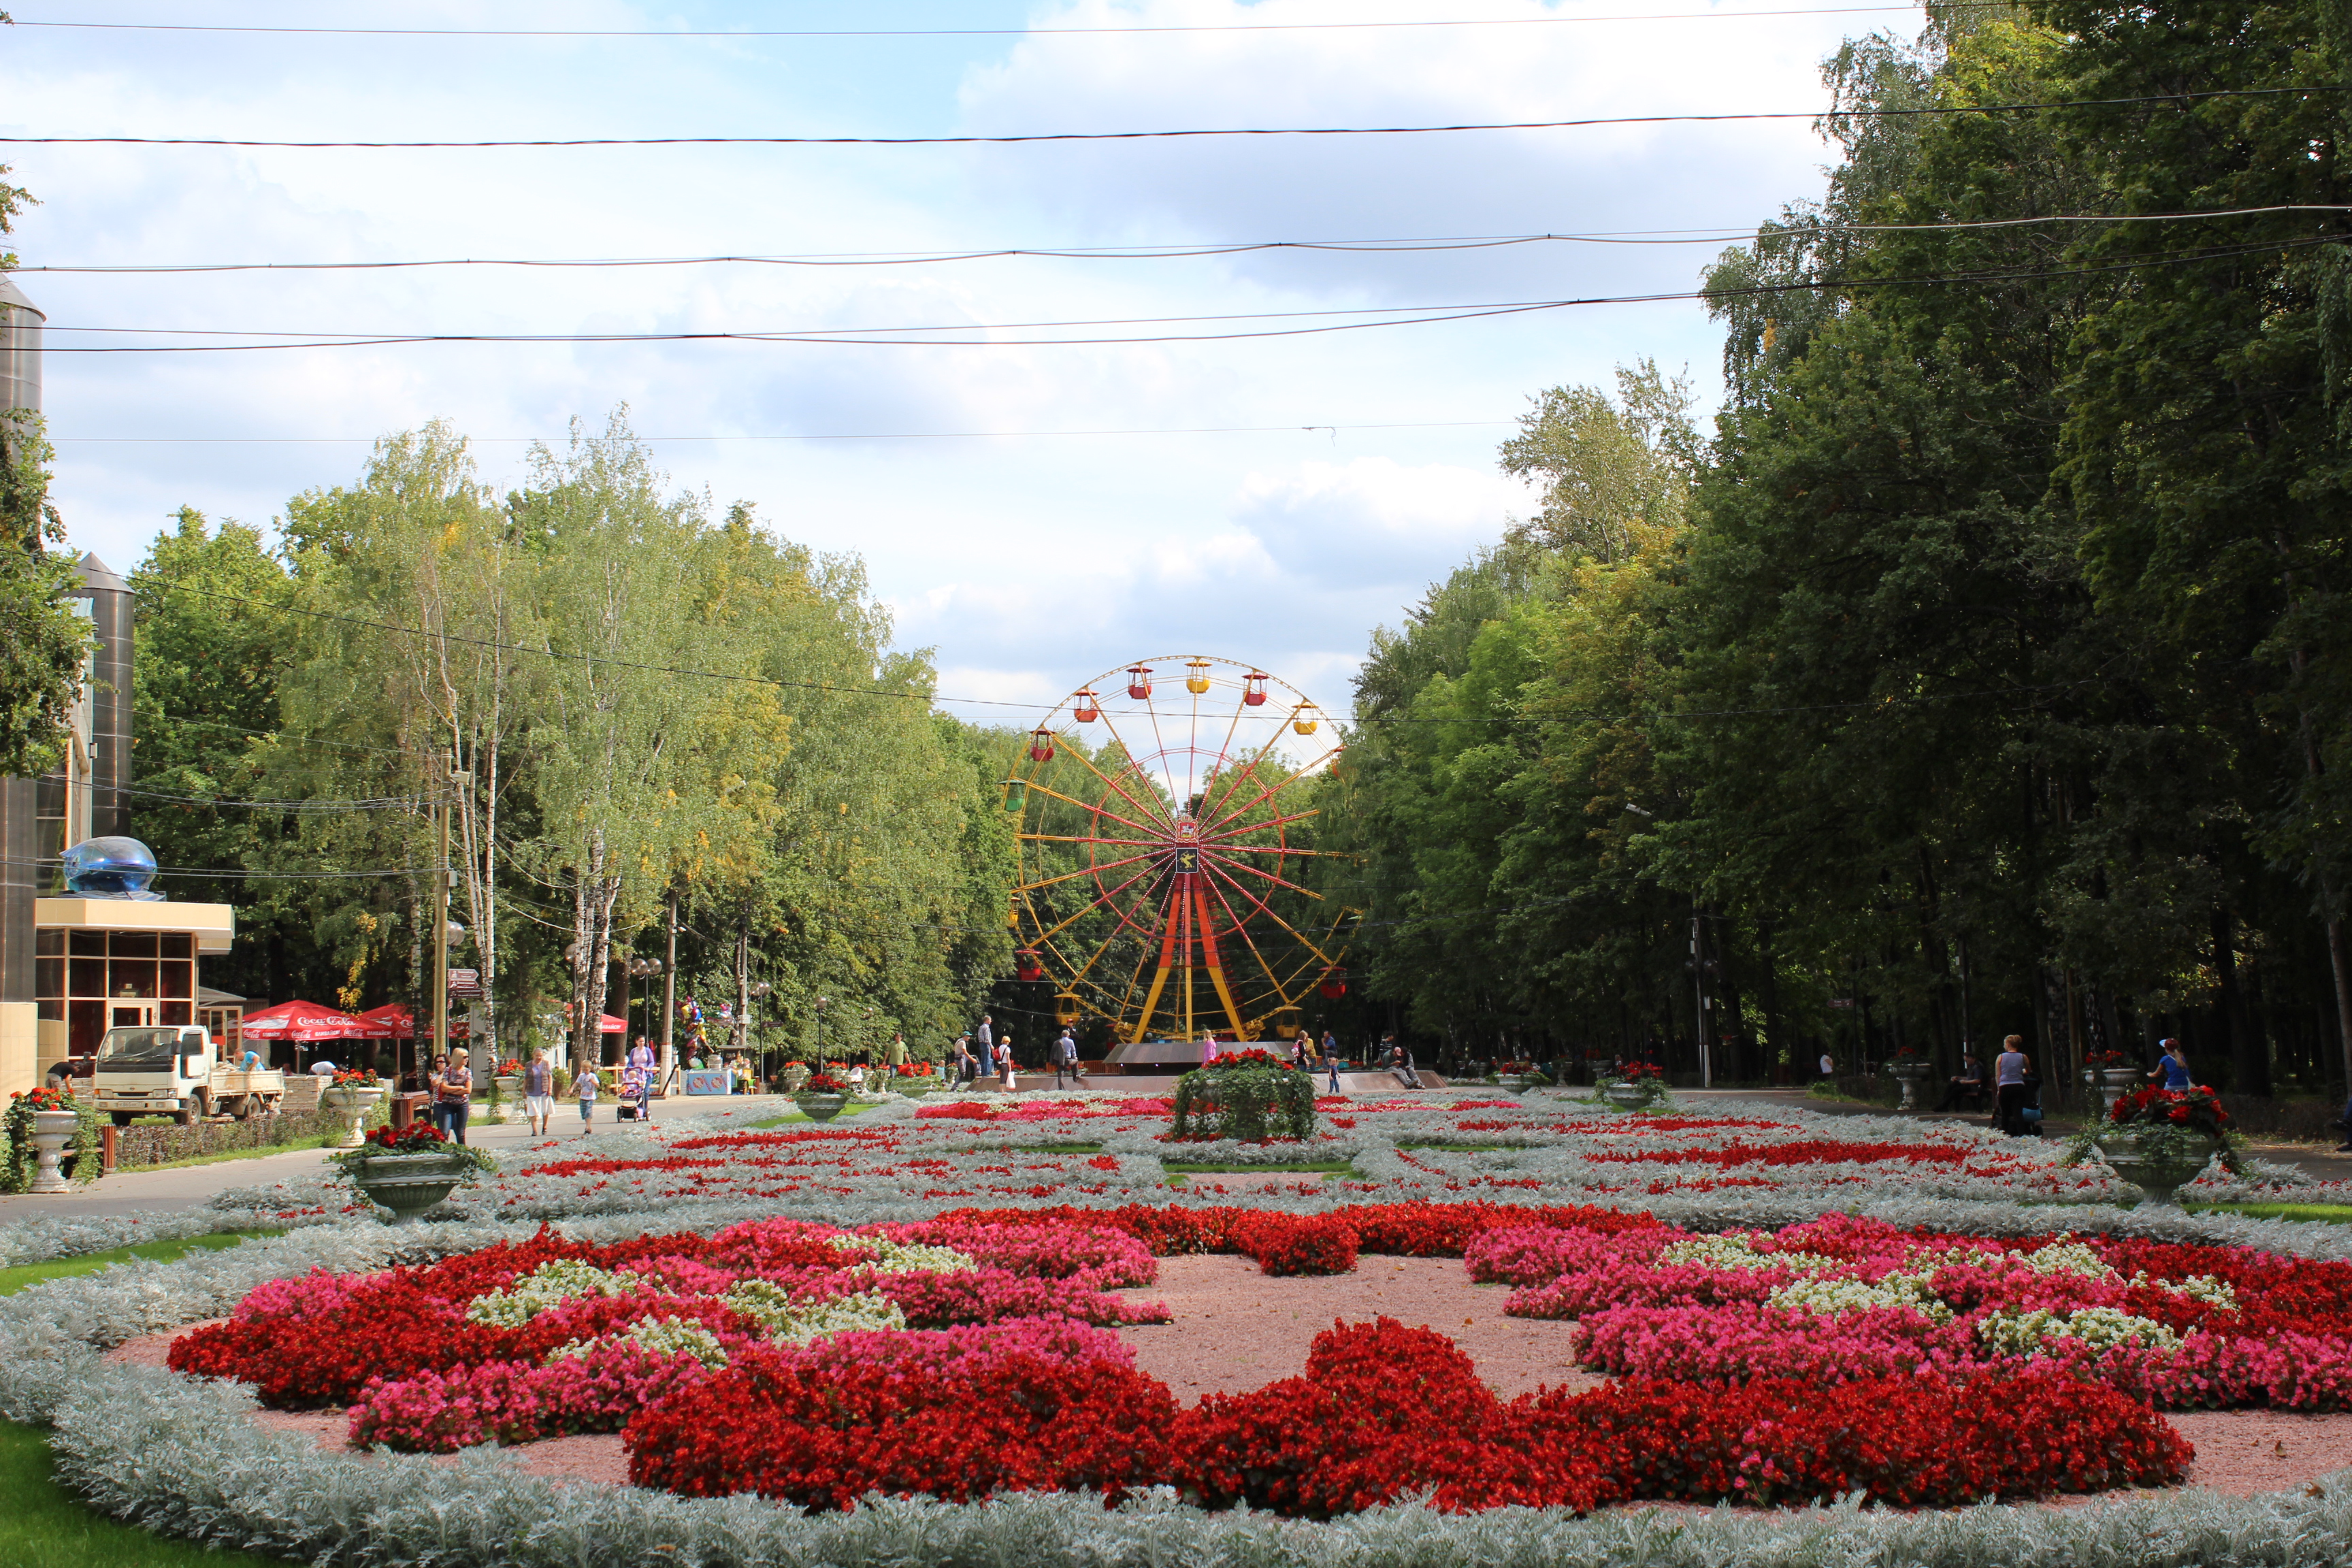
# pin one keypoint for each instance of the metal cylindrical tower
(20, 349)
(20, 835)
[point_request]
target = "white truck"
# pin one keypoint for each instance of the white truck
(170, 1071)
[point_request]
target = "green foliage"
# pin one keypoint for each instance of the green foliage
(1989, 673)
(1248, 1104)
(43, 638)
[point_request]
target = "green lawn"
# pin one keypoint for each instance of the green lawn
(1178, 1170)
(794, 1118)
(47, 1524)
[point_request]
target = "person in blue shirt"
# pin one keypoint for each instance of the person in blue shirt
(2173, 1066)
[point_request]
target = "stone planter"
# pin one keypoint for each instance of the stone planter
(1517, 1083)
(821, 1107)
(408, 1185)
(510, 1087)
(2111, 1084)
(353, 1102)
(52, 1130)
(1908, 1076)
(794, 1075)
(2155, 1173)
(1627, 1094)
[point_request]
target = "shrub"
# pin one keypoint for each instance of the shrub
(1296, 1244)
(1249, 1103)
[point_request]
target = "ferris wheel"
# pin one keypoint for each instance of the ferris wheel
(1169, 881)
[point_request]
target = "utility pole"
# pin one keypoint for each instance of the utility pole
(1698, 994)
(670, 993)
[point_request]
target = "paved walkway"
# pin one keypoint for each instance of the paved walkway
(188, 1186)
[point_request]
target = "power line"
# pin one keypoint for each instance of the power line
(834, 436)
(1175, 251)
(957, 31)
(404, 803)
(845, 337)
(1931, 110)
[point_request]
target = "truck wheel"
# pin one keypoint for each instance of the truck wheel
(122, 1117)
(242, 1107)
(186, 1115)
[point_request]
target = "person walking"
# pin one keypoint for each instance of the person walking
(538, 1093)
(453, 1097)
(1300, 1054)
(640, 1056)
(985, 1038)
(898, 1053)
(584, 1086)
(1331, 1059)
(2009, 1071)
(2173, 1066)
(1065, 1059)
(1004, 1062)
(1209, 1049)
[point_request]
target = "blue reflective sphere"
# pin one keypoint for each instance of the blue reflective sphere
(101, 867)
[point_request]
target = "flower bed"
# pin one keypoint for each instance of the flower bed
(966, 1357)
(1844, 1298)
(143, 1443)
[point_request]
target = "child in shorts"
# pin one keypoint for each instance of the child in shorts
(587, 1089)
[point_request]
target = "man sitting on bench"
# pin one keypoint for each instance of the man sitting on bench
(1967, 1084)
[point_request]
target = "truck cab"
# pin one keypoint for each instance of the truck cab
(171, 1070)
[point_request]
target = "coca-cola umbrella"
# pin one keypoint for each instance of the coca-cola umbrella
(403, 1024)
(306, 1022)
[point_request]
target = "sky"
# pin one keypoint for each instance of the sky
(1034, 512)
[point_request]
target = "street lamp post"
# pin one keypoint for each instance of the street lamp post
(639, 968)
(757, 990)
(820, 1034)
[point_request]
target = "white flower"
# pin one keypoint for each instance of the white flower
(789, 1321)
(548, 1285)
(2101, 1328)
(658, 1336)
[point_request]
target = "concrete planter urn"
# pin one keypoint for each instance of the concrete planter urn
(1629, 1094)
(408, 1185)
(821, 1107)
(353, 1101)
(52, 1130)
(2158, 1165)
(2111, 1083)
(794, 1075)
(1517, 1083)
(1908, 1076)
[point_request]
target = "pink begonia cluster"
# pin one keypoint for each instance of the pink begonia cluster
(514, 1401)
(1667, 1305)
(1107, 1260)
(992, 1295)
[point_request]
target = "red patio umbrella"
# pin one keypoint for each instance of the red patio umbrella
(306, 1022)
(402, 1024)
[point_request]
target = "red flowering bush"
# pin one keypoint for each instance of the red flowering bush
(825, 1438)
(416, 1138)
(46, 1097)
(824, 1082)
(1383, 1410)
(2196, 1108)
(1295, 1244)
(1251, 1057)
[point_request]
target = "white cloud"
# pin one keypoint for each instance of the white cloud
(1029, 561)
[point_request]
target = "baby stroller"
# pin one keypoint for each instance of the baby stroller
(633, 1089)
(2026, 1120)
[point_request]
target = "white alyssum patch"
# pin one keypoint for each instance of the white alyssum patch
(657, 1336)
(788, 1319)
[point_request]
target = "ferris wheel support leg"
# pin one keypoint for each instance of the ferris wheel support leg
(1216, 963)
(1159, 976)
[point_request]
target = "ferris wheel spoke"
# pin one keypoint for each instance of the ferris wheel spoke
(1218, 856)
(1082, 871)
(1267, 910)
(1099, 902)
(1154, 809)
(1241, 928)
(1306, 770)
(1096, 806)
(1225, 840)
(1089, 838)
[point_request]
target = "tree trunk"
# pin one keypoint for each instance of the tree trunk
(594, 893)
(2249, 1057)
(744, 982)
